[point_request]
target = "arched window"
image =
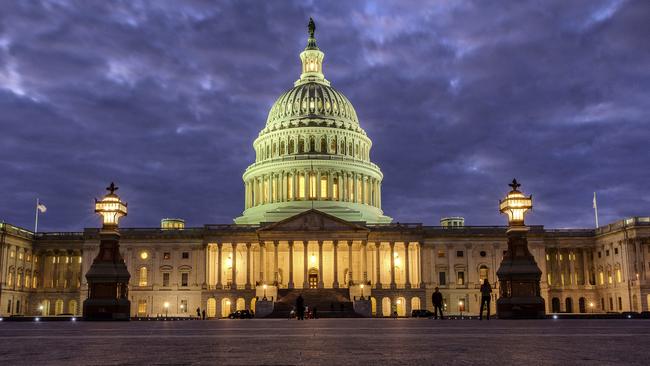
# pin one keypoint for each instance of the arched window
(483, 272)
(385, 306)
(282, 148)
(225, 307)
(143, 276)
(72, 307)
(401, 306)
(275, 150)
(335, 188)
(312, 144)
(342, 150)
(582, 305)
(253, 303)
(555, 305)
(291, 147)
(323, 145)
(241, 304)
(415, 303)
(350, 149)
(373, 306)
(301, 146)
(333, 147)
(568, 305)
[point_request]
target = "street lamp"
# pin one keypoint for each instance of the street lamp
(110, 207)
(461, 307)
(182, 308)
(591, 306)
(166, 305)
(264, 287)
(515, 205)
(362, 298)
(41, 309)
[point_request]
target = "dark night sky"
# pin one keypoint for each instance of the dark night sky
(166, 97)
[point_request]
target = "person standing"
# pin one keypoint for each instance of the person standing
(198, 313)
(486, 296)
(300, 308)
(436, 299)
(203, 313)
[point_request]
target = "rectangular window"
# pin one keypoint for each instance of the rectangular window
(548, 279)
(312, 185)
(166, 279)
(615, 250)
(323, 187)
(183, 306)
(301, 186)
(184, 279)
(601, 278)
(350, 190)
(459, 253)
(185, 255)
(620, 303)
(547, 258)
(167, 256)
(335, 189)
(441, 253)
(20, 256)
(442, 278)
(600, 255)
(619, 278)
(265, 191)
(290, 187)
(142, 307)
(274, 186)
(607, 253)
(460, 278)
(13, 254)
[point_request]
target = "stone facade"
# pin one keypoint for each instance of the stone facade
(583, 270)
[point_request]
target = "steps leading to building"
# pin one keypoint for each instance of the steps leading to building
(330, 303)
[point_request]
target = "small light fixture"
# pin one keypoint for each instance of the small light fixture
(554, 316)
(144, 255)
(515, 205)
(166, 305)
(110, 207)
(37, 319)
(74, 319)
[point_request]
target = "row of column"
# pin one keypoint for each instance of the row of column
(307, 185)
(291, 283)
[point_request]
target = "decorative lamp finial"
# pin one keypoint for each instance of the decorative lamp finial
(515, 205)
(110, 208)
(514, 185)
(112, 188)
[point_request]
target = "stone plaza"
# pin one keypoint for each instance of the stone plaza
(403, 341)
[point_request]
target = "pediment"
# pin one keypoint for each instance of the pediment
(313, 220)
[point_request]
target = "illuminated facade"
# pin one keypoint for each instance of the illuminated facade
(313, 223)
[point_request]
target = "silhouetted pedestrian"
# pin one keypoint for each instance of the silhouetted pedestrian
(436, 299)
(203, 314)
(314, 314)
(300, 308)
(486, 296)
(198, 313)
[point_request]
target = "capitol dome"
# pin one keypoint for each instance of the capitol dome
(312, 154)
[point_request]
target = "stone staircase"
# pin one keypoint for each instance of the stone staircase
(330, 303)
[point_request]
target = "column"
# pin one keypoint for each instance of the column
(378, 265)
(407, 265)
(585, 266)
(354, 188)
(234, 266)
(307, 184)
(392, 265)
(330, 186)
(320, 264)
(206, 277)
(318, 187)
(294, 187)
(276, 277)
(350, 282)
(305, 281)
(450, 266)
(363, 189)
(343, 187)
(335, 284)
(291, 264)
(262, 248)
(364, 261)
(248, 266)
(421, 265)
(219, 283)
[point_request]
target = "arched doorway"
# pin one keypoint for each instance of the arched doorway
(241, 304)
(225, 307)
(313, 278)
(58, 307)
(581, 305)
(373, 306)
(385, 306)
(555, 305)
(212, 308)
(568, 305)
(72, 307)
(253, 302)
(415, 303)
(401, 306)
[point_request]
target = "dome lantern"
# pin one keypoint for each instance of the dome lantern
(312, 60)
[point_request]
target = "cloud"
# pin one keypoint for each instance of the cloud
(165, 98)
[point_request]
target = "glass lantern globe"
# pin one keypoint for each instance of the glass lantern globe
(110, 207)
(515, 205)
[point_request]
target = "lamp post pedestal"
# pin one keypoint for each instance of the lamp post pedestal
(108, 282)
(519, 278)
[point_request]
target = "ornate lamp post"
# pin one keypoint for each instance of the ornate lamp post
(519, 275)
(264, 297)
(108, 277)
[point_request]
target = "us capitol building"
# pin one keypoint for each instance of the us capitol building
(313, 224)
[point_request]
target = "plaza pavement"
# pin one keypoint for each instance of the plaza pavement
(327, 342)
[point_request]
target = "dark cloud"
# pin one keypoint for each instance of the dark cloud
(166, 97)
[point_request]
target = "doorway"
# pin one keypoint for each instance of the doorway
(313, 278)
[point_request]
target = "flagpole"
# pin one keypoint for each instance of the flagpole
(596, 210)
(36, 220)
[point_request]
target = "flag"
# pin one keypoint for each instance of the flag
(41, 207)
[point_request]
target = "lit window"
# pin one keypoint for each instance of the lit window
(441, 253)
(619, 279)
(79, 260)
(142, 307)
(483, 273)
(548, 278)
(335, 188)
(562, 279)
(460, 278)
(290, 188)
(20, 256)
(144, 255)
(547, 257)
(29, 257)
(183, 306)
(323, 187)
(609, 277)
(601, 278)
(561, 257)
(12, 254)
(143, 276)
(312, 185)
(166, 256)
(10, 279)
